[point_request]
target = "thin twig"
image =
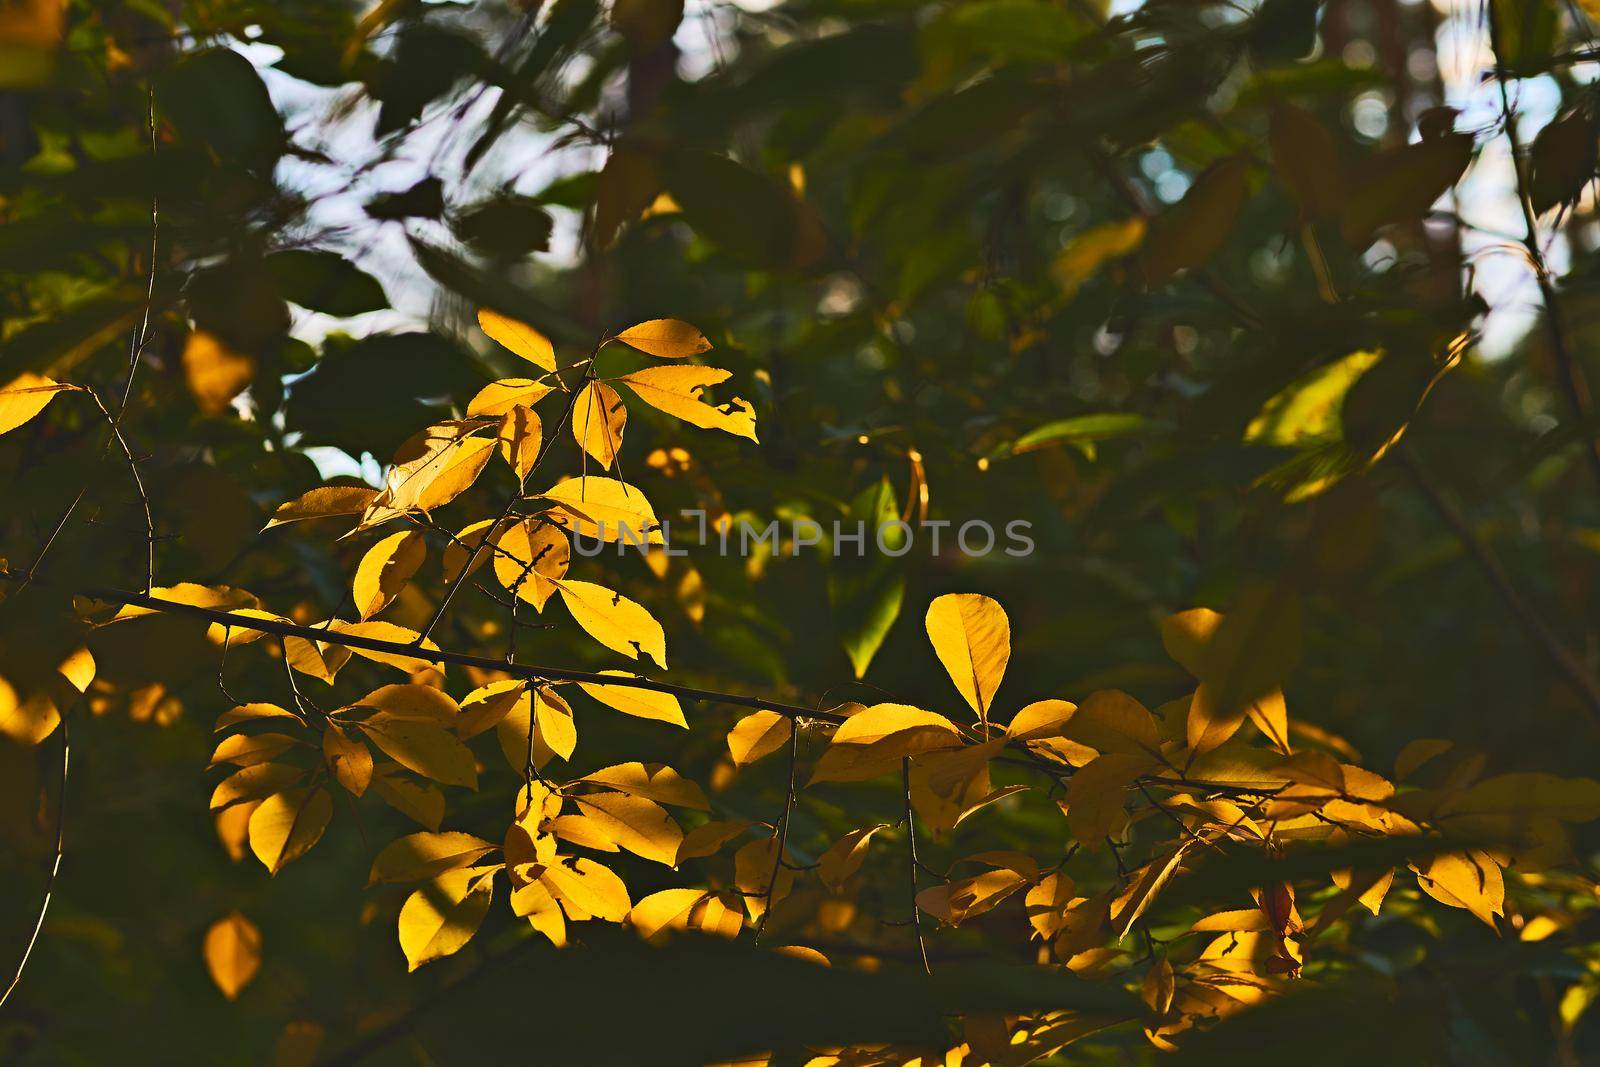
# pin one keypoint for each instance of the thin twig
(55, 866)
(1569, 666)
(911, 848)
(782, 831)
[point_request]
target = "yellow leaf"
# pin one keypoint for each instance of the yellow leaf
(760, 879)
(26, 396)
(529, 556)
(708, 838)
(350, 759)
(873, 741)
(640, 703)
(485, 707)
(315, 658)
(324, 502)
(505, 395)
(1469, 880)
(758, 734)
(653, 781)
(604, 509)
(598, 422)
(1042, 718)
(256, 782)
(641, 826)
(417, 857)
(844, 858)
(440, 918)
(246, 750)
(429, 750)
(1092, 249)
(588, 886)
(286, 825)
(519, 337)
(419, 703)
(385, 570)
(1110, 720)
(519, 438)
(1307, 411)
(1096, 792)
(387, 631)
(972, 637)
(432, 468)
(421, 802)
(214, 372)
(252, 713)
(615, 621)
(471, 539)
(663, 911)
(676, 391)
(667, 338)
(968, 898)
(233, 953)
(881, 722)
(555, 728)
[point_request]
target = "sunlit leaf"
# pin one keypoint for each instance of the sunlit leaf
(233, 953)
(676, 390)
(519, 337)
(972, 637)
(615, 621)
(667, 338)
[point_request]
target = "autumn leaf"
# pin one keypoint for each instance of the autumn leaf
(653, 781)
(604, 509)
(522, 339)
(640, 703)
(349, 758)
(529, 557)
(440, 918)
(324, 502)
(676, 390)
(431, 751)
(758, 734)
(519, 439)
(614, 620)
(385, 570)
(972, 637)
(845, 857)
(288, 824)
(505, 396)
(418, 857)
(232, 952)
(598, 422)
(214, 372)
(667, 338)
(25, 396)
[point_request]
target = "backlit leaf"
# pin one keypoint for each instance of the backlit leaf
(758, 734)
(519, 337)
(440, 918)
(385, 570)
(614, 620)
(676, 390)
(417, 857)
(972, 637)
(598, 422)
(25, 396)
(287, 825)
(667, 338)
(233, 953)
(604, 509)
